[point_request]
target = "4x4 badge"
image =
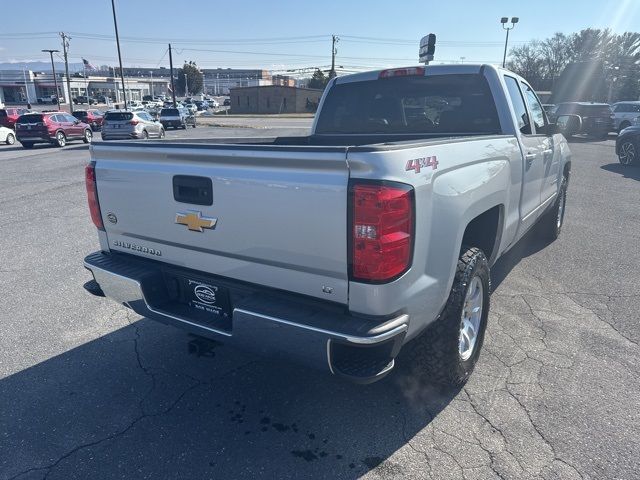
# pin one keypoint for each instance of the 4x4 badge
(195, 221)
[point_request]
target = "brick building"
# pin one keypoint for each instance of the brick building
(274, 99)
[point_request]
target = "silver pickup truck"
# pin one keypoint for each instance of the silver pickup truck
(373, 234)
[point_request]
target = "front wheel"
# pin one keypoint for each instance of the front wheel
(61, 140)
(88, 136)
(162, 133)
(447, 351)
(623, 125)
(627, 153)
(11, 139)
(145, 135)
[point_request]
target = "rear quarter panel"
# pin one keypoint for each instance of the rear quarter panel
(473, 174)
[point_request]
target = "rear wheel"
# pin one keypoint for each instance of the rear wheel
(88, 136)
(11, 139)
(447, 351)
(628, 153)
(61, 139)
(145, 135)
(162, 133)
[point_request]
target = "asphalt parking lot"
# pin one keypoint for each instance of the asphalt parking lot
(90, 390)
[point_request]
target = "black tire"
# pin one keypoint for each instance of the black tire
(11, 139)
(88, 136)
(61, 139)
(27, 145)
(184, 126)
(194, 125)
(623, 125)
(145, 135)
(161, 133)
(435, 355)
(628, 152)
(550, 225)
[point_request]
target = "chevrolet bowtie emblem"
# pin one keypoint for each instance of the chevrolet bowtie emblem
(195, 221)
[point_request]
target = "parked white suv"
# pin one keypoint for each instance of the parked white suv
(625, 114)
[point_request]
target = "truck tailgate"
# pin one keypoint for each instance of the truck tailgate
(281, 212)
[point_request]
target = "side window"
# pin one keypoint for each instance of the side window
(518, 105)
(57, 118)
(635, 108)
(537, 113)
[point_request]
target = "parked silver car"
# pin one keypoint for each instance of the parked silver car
(124, 124)
(178, 117)
(626, 114)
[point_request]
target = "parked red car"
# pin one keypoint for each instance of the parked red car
(8, 116)
(52, 127)
(91, 117)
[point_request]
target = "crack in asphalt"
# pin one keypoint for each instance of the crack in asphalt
(49, 468)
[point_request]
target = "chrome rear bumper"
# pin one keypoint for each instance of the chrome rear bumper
(263, 321)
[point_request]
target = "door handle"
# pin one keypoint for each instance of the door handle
(530, 157)
(548, 151)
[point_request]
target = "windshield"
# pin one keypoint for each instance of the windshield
(169, 112)
(118, 116)
(439, 104)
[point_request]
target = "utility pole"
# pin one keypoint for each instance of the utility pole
(65, 45)
(186, 87)
(173, 86)
(334, 51)
(55, 80)
(115, 24)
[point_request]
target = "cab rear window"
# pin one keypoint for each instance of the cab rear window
(434, 104)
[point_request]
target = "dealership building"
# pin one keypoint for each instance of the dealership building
(22, 86)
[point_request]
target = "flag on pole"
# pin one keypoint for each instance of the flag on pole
(87, 65)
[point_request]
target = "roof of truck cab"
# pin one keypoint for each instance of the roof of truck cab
(466, 68)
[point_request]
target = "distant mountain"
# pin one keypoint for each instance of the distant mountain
(40, 66)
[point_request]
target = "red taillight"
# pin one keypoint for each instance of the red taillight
(134, 122)
(382, 219)
(401, 72)
(92, 195)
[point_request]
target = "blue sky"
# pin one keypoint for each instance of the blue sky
(292, 34)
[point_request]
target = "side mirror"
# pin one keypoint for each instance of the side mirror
(568, 124)
(76, 122)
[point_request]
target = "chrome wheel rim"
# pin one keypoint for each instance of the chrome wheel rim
(627, 153)
(470, 318)
(11, 139)
(89, 136)
(61, 140)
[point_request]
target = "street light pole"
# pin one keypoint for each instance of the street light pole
(115, 24)
(504, 21)
(55, 80)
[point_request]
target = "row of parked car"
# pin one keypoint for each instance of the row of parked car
(599, 119)
(58, 128)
